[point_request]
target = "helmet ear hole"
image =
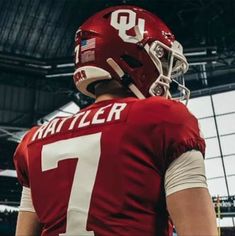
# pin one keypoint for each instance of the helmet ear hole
(131, 61)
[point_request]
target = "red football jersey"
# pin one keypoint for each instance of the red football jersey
(101, 171)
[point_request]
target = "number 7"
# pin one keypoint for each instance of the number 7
(87, 149)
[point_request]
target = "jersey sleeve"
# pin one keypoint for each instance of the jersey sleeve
(166, 128)
(21, 160)
(181, 133)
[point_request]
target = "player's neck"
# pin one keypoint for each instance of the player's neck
(105, 97)
(111, 89)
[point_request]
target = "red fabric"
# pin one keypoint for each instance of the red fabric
(128, 197)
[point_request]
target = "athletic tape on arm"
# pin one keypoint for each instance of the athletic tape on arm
(187, 171)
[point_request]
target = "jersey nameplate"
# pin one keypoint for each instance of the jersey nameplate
(111, 112)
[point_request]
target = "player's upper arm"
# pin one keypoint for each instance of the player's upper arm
(188, 200)
(192, 212)
(27, 221)
(27, 224)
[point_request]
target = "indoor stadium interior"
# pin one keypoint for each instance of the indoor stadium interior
(36, 82)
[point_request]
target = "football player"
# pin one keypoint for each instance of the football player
(131, 163)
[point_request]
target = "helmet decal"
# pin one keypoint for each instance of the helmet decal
(124, 20)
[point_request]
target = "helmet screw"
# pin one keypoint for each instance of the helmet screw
(159, 51)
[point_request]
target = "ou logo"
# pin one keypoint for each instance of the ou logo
(124, 20)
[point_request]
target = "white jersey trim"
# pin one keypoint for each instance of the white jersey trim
(187, 171)
(26, 203)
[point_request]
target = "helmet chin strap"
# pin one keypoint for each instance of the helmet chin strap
(125, 78)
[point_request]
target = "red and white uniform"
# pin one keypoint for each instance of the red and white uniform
(101, 171)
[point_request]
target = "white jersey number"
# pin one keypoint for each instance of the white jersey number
(87, 150)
